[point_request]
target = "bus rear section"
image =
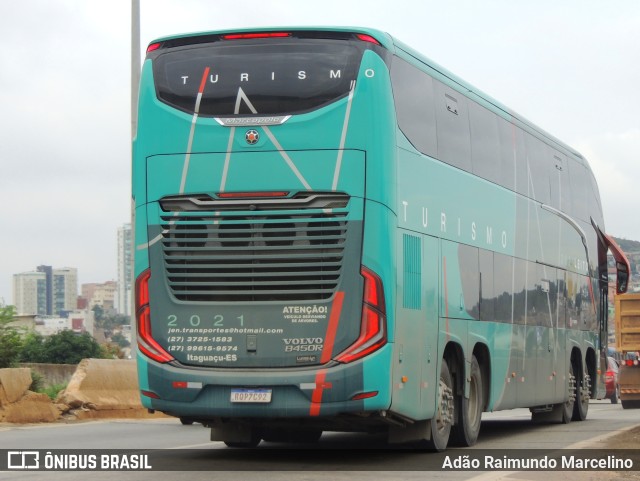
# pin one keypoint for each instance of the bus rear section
(260, 304)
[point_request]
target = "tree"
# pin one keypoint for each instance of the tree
(120, 340)
(110, 321)
(98, 313)
(32, 348)
(65, 347)
(10, 340)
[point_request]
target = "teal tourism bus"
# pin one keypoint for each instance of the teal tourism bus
(334, 233)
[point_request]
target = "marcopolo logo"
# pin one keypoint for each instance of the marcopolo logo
(252, 137)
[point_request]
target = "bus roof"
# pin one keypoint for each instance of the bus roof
(408, 53)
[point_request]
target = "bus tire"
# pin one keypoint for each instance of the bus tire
(569, 405)
(465, 432)
(583, 390)
(440, 424)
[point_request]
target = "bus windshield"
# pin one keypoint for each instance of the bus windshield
(266, 77)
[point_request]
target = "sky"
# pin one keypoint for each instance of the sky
(572, 67)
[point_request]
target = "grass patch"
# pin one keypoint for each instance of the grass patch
(53, 391)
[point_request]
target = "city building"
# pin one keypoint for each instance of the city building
(65, 290)
(125, 269)
(102, 295)
(46, 291)
(30, 293)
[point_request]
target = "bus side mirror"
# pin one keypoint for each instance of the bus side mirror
(622, 278)
(623, 267)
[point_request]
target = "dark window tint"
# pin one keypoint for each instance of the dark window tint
(503, 286)
(264, 77)
(487, 292)
(538, 158)
(595, 208)
(413, 95)
(562, 299)
(520, 291)
(470, 275)
(454, 140)
(559, 182)
(578, 189)
(485, 143)
(508, 153)
(522, 164)
(541, 295)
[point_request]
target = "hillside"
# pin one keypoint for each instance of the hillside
(628, 245)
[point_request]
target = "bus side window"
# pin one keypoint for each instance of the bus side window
(487, 291)
(513, 158)
(454, 138)
(502, 286)
(539, 188)
(595, 207)
(485, 143)
(559, 180)
(519, 291)
(578, 181)
(413, 96)
(470, 276)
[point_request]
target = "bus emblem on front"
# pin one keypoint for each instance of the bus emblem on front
(252, 137)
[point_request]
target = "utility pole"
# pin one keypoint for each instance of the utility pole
(135, 85)
(135, 63)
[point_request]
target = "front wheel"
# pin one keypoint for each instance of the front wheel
(465, 432)
(441, 423)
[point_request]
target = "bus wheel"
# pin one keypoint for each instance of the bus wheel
(441, 423)
(466, 431)
(568, 405)
(583, 394)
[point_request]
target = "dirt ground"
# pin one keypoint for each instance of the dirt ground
(629, 439)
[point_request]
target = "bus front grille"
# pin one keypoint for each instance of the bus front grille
(270, 256)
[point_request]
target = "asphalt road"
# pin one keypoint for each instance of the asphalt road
(337, 456)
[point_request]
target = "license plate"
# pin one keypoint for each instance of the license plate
(251, 395)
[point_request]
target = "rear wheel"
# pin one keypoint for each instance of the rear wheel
(583, 394)
(465, 432)
(568, 406)
(442, 421)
